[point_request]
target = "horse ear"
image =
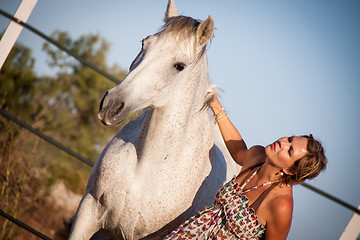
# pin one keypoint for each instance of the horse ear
(171, 11)
(205, 30)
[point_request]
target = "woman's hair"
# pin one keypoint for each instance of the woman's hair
(309, 166)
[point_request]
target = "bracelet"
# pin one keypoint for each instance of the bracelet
(220, 116)
(220, 119)
(219, 113)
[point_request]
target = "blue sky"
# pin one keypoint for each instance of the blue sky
(286, 67)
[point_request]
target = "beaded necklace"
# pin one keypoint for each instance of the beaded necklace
(256, 187)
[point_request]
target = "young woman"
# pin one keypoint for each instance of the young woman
(258, 203)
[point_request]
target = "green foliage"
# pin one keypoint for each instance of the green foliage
(18, 81)
(74, 179)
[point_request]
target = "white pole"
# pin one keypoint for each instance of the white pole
(13, 31)
(352, 230)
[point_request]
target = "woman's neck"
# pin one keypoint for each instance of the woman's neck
(268, 172)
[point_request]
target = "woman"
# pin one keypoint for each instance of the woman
(258, 203)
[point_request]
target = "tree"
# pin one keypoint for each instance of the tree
(17, 81)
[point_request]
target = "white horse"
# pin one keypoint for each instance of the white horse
(166, 164)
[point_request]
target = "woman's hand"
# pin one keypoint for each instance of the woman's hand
(215, 105)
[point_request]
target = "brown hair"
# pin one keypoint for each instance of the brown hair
(309, 166)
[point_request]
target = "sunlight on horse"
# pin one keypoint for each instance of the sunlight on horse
(168, 163)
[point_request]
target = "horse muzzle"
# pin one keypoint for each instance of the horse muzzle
(110, 110)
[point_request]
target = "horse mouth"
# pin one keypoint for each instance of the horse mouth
(111, 116)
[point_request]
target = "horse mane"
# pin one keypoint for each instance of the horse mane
(210, 94)
(183, 27)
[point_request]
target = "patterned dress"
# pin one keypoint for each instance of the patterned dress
(229, 217)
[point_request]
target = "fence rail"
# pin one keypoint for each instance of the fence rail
(46, 138)
(24, 226)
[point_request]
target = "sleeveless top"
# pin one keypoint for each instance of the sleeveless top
(230, 217)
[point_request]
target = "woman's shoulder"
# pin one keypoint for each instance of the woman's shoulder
(278, 214)
(280, 201)
(257, 149)
(277, 211)
(254, 156)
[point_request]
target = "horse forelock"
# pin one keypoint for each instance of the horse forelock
(183, 29)
(184, 25)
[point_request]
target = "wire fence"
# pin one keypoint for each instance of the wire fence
(46, 138)
(85, 160)
(24, 226)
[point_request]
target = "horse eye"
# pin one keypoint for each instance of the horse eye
(179, 66)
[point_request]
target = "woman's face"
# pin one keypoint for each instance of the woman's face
(284, 152)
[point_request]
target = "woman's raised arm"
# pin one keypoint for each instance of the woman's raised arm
(232, 138)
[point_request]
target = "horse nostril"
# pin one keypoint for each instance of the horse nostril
(118, 109)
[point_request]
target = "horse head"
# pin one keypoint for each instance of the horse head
(169, 60)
